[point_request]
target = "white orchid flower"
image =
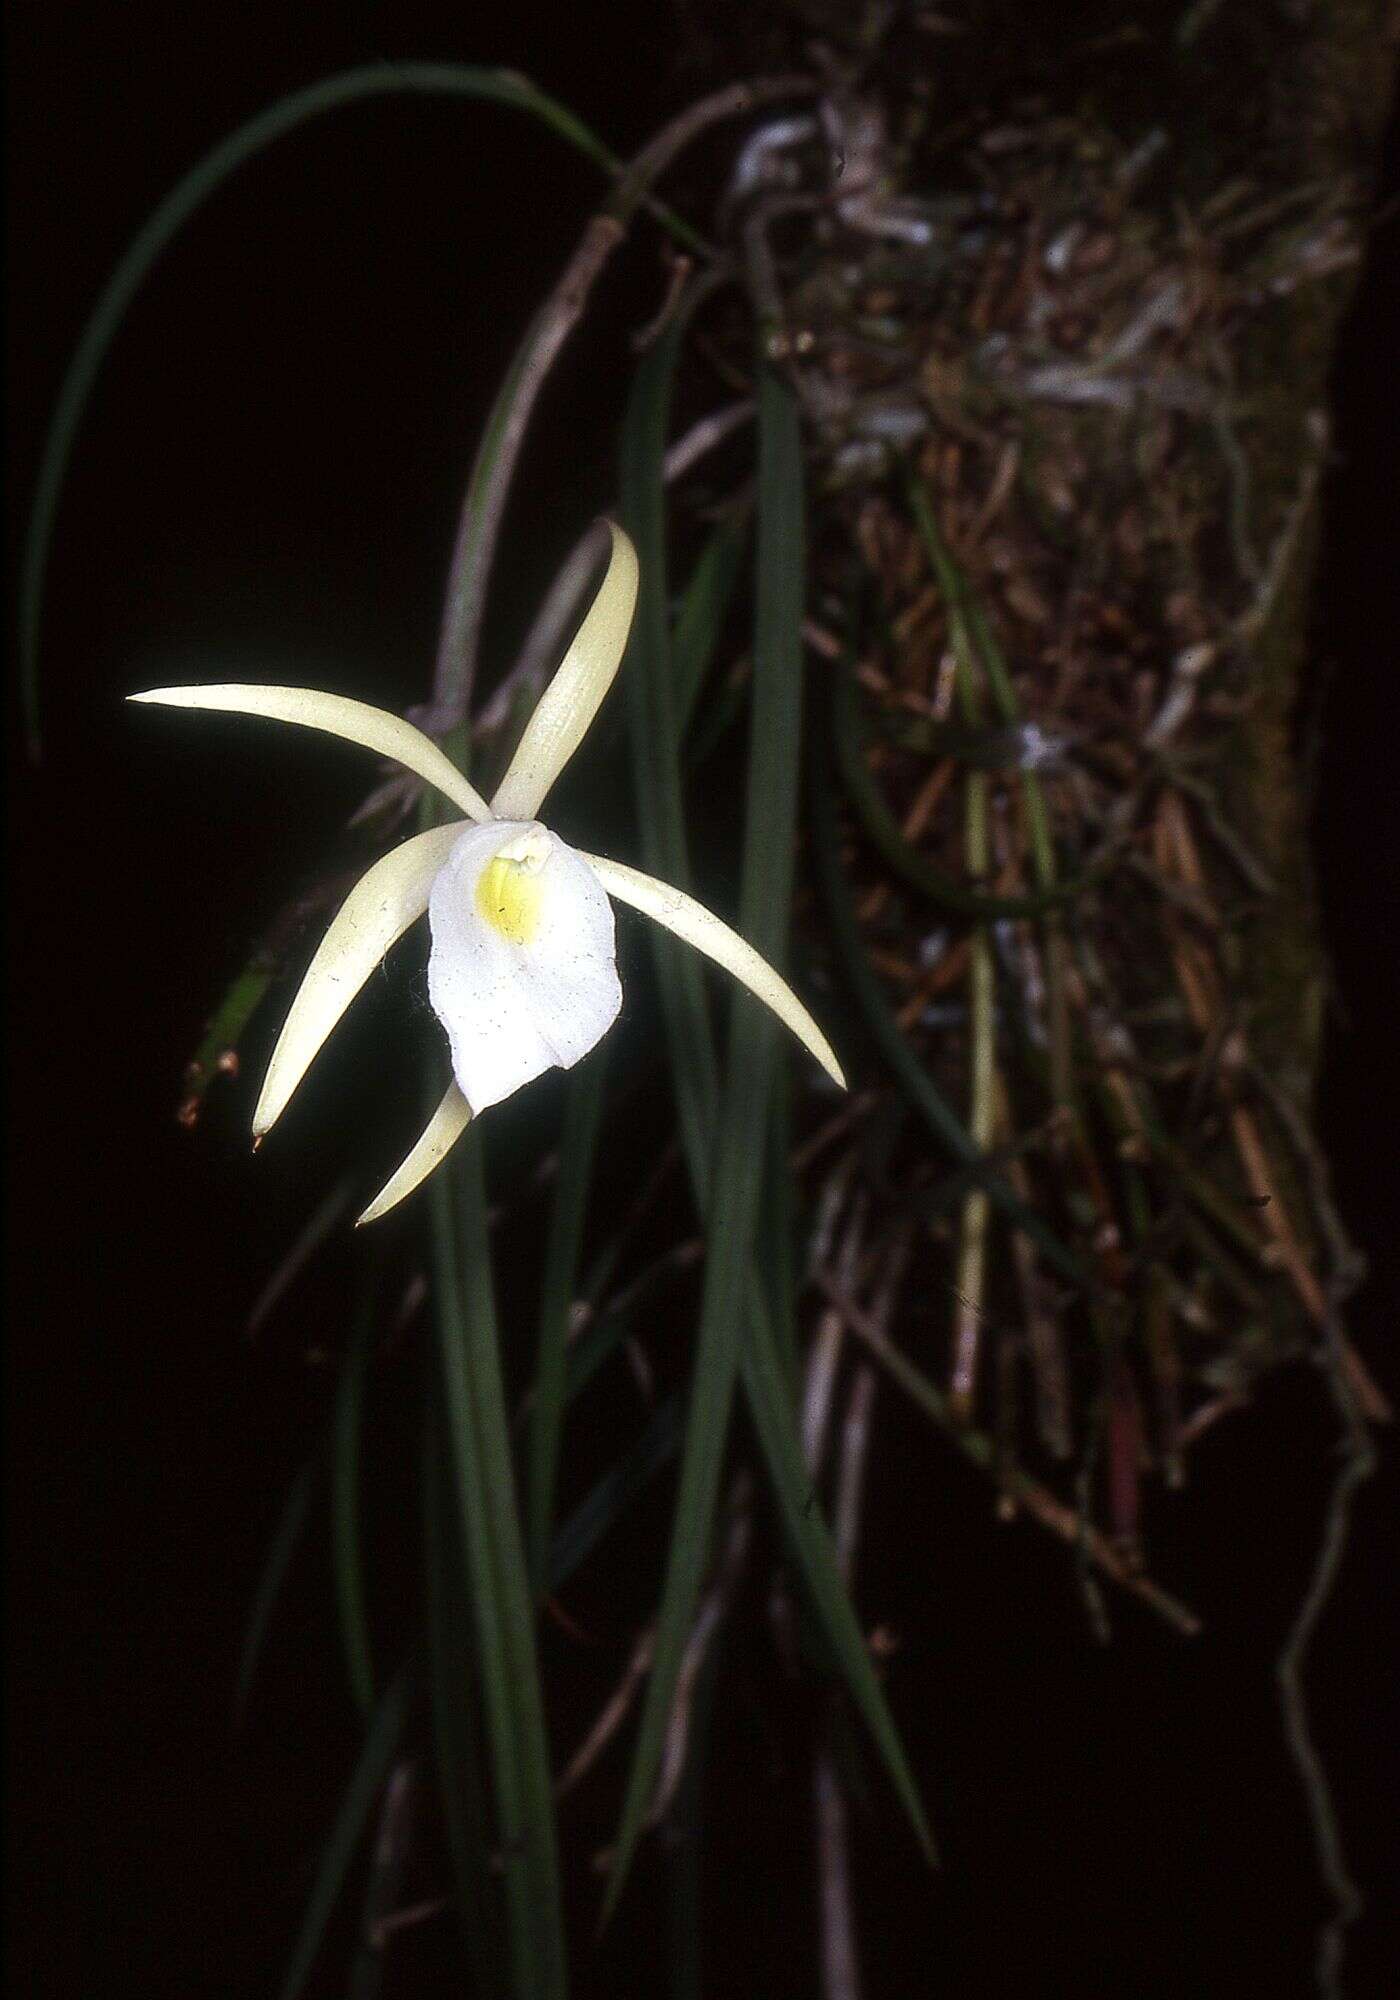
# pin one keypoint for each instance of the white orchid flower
(522, 970)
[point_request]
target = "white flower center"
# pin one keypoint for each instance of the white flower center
(523, 967)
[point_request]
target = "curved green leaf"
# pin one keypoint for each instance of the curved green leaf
(330, 94)
(502, 1604)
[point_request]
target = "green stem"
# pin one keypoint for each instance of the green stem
(479, 1434)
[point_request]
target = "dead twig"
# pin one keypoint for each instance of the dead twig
(484, 508)
(1037, 1501)
(713, 1609)
(612, 1715)
(840, 1966)
(1358, 1462)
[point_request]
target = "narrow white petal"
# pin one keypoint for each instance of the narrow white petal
(568, 705)
(372, 728)
(443, 1130)
(523, 967)
(379, 909)
(693, 922)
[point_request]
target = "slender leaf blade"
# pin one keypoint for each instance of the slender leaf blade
(502, 1603)
(281, 1550)
(339, 1851)
(811, 1544)
(455, 1706)
(578, 1145)
(685, 1836)
(614, 1492)
(658, 768)
(765, 893)
(703, 610)
(346, 1549)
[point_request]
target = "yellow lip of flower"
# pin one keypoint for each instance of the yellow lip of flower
(509, 892)
(562, 952)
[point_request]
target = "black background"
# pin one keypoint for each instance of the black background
(267, 479)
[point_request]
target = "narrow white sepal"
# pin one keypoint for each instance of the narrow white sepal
(441, 1134)
(356, 721)
(568, 705)
(388, 898)
(699, 927)
(523, 967)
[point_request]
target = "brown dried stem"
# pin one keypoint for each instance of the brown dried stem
(1037, 1501)
(484, 509)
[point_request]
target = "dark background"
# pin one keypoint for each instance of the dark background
(265, 486)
